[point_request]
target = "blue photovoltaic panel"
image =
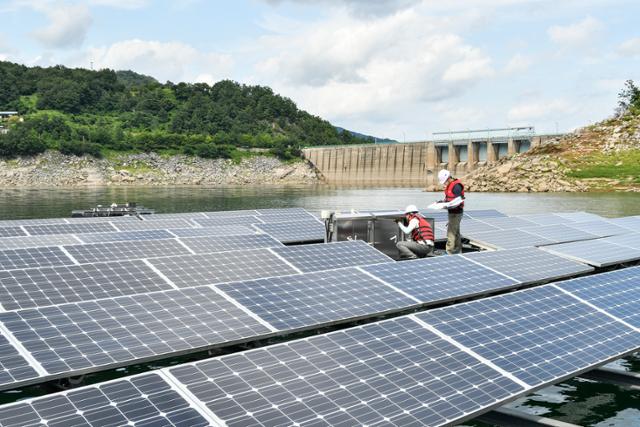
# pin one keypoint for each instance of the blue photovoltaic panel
(212, 231)
(13, 367)
(120, 236)
(233, 266)
(329, 256)
(438, 279)
(529, 265)
(507, 239)
(33, 257)
(154, 225)
(210, 244)
(508, 223)
(298, 231)
(217, 214)
(388, 373)
(94, 335)
(560, 233)
(75, 228)
(440, 216)
(142, 400)
(302, 300)
(36, 241)
(546, 219)
(37, 287)
(112, 251)
(600, 228)
(285, 217)
(631, 240)
(281, 211)
(580, 216)
(483, 213)
(224, 221)
(595, 252)
(11, 232)
(470, 226)
(616, 292)
(539, 335)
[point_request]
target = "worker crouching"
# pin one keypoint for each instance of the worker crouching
(421, 243)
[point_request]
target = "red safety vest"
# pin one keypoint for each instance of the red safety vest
(448, 193)
(423, 231)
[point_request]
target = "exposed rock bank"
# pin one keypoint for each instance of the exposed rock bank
(54, 169)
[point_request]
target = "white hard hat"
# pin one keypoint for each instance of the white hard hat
(443, 176)
(410, 208)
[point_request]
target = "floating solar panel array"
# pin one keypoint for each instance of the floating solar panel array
(507, 239)
(295, 231)
(210, 244)
(111, 251)
(12, 232)
(119, 236)
(154, 225)
(631, 240)
(546, 219)
(600, 228)
(483, 213)
(560, 233)
(630, 222)
(212, 231)
(76, 228)
(35, 241)
(217, 214)
(46, 256)
(595, 252)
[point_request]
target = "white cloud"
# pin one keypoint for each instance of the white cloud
(68, 24)
(360, 8)
(173, 61)
(630, 47)
(526, 113)
(121, 4)
(577, 34)
(518, 64)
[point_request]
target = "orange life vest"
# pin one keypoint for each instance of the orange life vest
(423, 231)
(449, 196)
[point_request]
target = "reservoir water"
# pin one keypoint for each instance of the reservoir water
(576, 401)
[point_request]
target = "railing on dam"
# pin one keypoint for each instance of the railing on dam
(412, 164)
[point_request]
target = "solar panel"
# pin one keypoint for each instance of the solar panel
(280, 211)
(119, 236)
(439, 279)
(93, 335)
(484, 213)
(217, 214)
(226, 221)
(210, 244)
(34, 221)
(580, 216)
(616, 292)
(469, 226)
(329, 256)
(600, 228)
(436, 215)
(76, 228)
(528, 265)
(630, 222)
(508, 223)
(155, 225)
(293, 232)
(539, 335)
(302, 300)
(595, 252)
(212, 231)
(195, 270)
(33, 257)
(11, 232)
(165, 216)
(507, 239)
(112, 251)
(35, 241)
(13, 367)
(560, 233)
(271, 218)
(631, 240)
(142, 400)
(58, 285)
(546, 219)
(388, 373)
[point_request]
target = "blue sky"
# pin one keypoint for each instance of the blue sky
(391, 68)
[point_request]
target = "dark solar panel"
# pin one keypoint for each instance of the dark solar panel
(76, 228)
(210, 244)
(301, 300)
(58, 285)
(120, 236)
(112, 251)
(33, 257)
(97, 334)
(195, 270)
(329, 256)
(11, 232)
(438, 279)
(388, 373)
(528, 265)
(292, 232)
(155, 225)
(595, 252)
(539, 335)
(13, 367)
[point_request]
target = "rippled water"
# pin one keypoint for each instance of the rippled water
(576, 401)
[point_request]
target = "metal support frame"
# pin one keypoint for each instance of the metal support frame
(630, 380)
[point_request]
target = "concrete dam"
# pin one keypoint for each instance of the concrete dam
(413, 164)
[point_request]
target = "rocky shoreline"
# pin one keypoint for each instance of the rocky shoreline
(53, 169)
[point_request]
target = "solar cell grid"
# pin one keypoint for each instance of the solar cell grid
(595, 252)
(545, 219)
(206, 269)
(35, 241)
(248, 212)
(33, 257)
(600, 228)
(528, 265)
(76, 228)
(560, 233)
(393, 372)
(34, 221)
(143, 400)
(279, 211)
(154, 225)
(210, 244)
(271, 218)
(631, 240)
(330, 256)
(509, 222)
(470, 226)
(112, 251)
(291, 232)
(439, 279)
(119, 236)
(13, 367)
(436, 215)
(226, 221)
(11, 232)
(580, 216)
(58, 285)
(630, 222)
(302, 300)
(616, 292)
(506, 239)
(483, 213)
(539, 335)
(212, 231)
(97, 334)
(166, 216)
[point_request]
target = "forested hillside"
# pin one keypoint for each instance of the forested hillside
(80, 111)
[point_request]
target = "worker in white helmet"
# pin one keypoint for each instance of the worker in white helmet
(421, 233)
(454, 203)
